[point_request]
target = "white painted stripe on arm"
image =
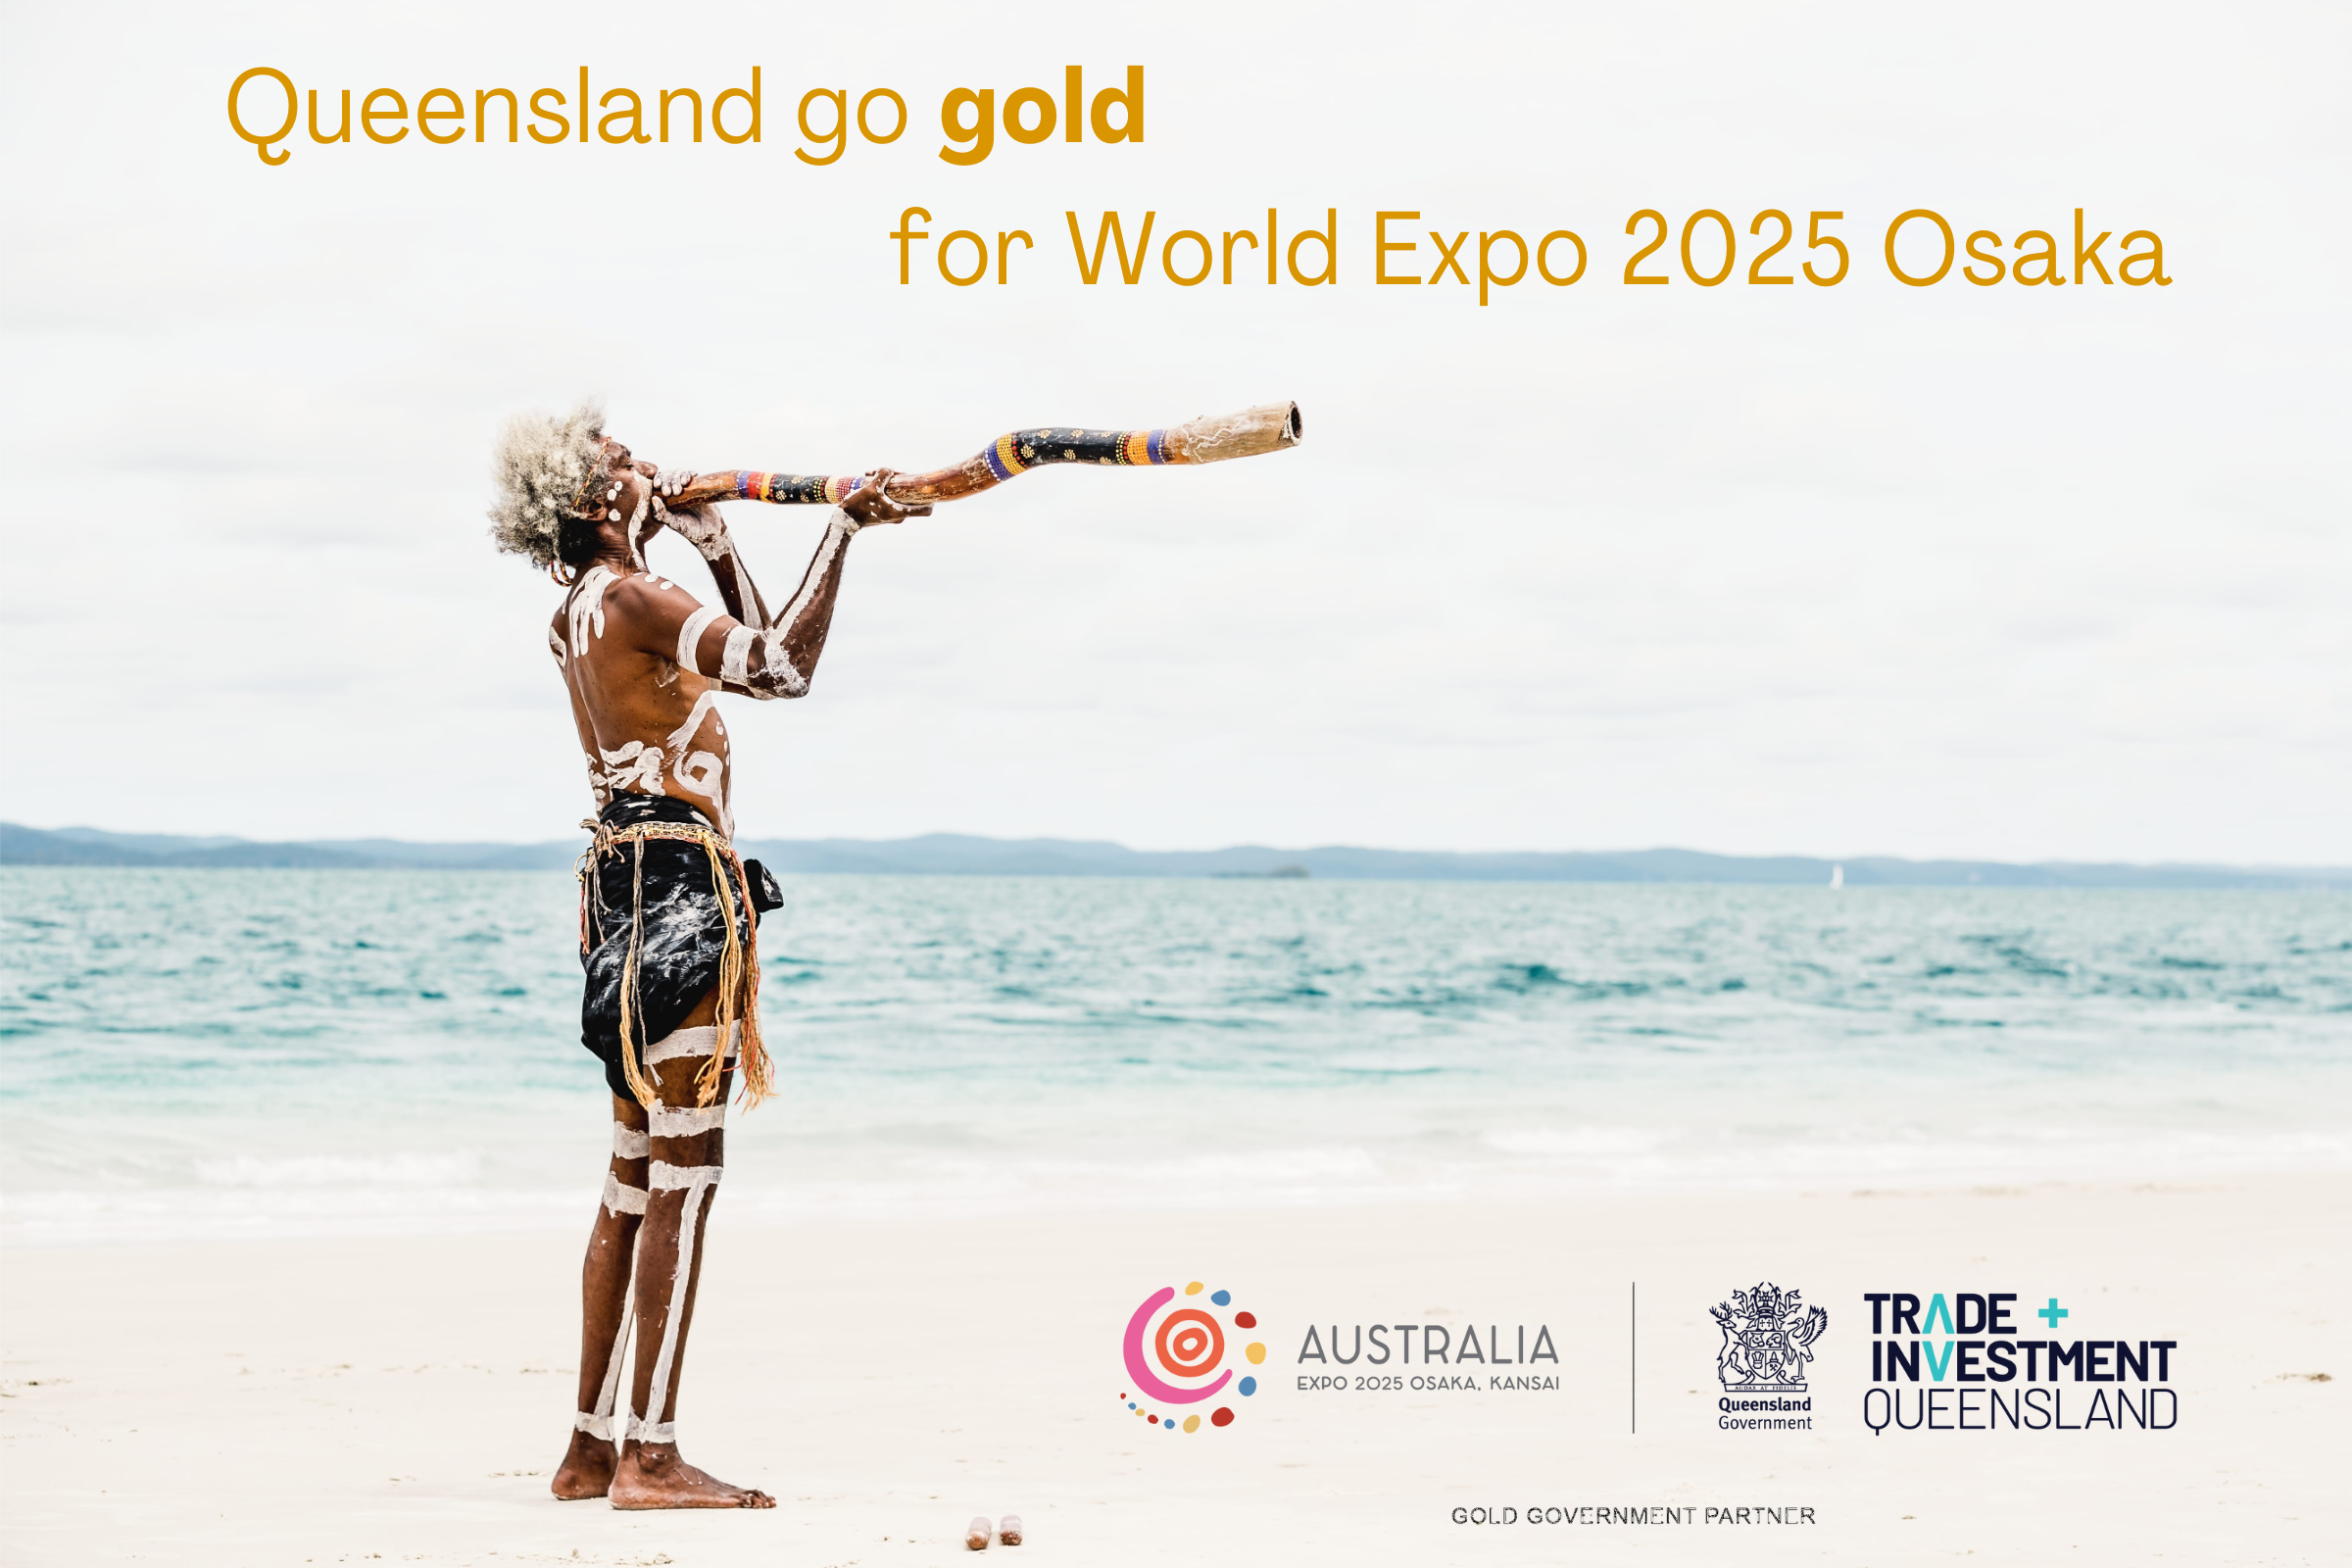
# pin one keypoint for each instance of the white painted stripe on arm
(838, 529)
(690, 635)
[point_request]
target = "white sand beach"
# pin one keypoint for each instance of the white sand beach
(403, 1400)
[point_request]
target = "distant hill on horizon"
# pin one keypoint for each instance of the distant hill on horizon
(964, 854)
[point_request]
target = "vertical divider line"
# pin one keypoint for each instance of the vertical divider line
(1632, 1356)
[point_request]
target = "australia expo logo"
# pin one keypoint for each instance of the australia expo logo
(1178, 1361)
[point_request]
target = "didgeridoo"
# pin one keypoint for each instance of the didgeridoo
(1211, 438)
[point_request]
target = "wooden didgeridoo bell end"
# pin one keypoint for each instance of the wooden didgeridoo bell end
(1215, 437)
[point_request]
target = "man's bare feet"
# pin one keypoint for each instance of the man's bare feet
(650, 1475)
(976, 1533)
(586, 1470)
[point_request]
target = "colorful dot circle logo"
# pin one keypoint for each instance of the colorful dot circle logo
(1177, 1357)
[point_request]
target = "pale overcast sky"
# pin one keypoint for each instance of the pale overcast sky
(2018, 572)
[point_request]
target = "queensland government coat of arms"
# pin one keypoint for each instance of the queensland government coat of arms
(1768, 1336)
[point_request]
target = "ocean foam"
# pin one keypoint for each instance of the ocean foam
(198, 1054)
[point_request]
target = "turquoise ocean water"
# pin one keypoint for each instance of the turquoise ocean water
(257, 1052)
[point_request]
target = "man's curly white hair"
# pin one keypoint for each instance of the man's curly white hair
(543, 464)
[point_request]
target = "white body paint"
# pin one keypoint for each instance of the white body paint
(619, 1199)
(705, 773)
(587, 613)
(686, 1123)
(694, 1042)
(776, 675)
(635, 766)
(627, 1143)
(690, 635)
(702, 773)
(636, 527)
(696, 1181)
(683, 736)
(839, 528)
(599, 1422)
(664, 1177)
(622, 1199)
(752, 660)
(639, 766)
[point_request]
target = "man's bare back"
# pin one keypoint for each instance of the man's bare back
(647, 723)
(644, 661)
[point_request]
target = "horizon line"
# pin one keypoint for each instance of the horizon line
(154, 845)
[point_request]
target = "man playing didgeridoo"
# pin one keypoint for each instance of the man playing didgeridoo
(668, 912)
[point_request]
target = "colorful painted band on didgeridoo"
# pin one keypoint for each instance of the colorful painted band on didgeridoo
(792, 489)
(1211, 438)
(1024, 449)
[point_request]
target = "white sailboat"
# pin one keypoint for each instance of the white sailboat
(1837, 876)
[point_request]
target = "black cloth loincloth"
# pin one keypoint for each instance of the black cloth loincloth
(685, 930)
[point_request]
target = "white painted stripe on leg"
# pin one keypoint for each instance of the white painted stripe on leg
(668, 1123)
(611, 1395)
(667, 1178)
(596, 1425)
(694, 1042)
(653, 1430)
(622, 1199)
(629, 1143)
(697, 1180)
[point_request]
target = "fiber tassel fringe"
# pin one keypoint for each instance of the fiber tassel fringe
(738, 964)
